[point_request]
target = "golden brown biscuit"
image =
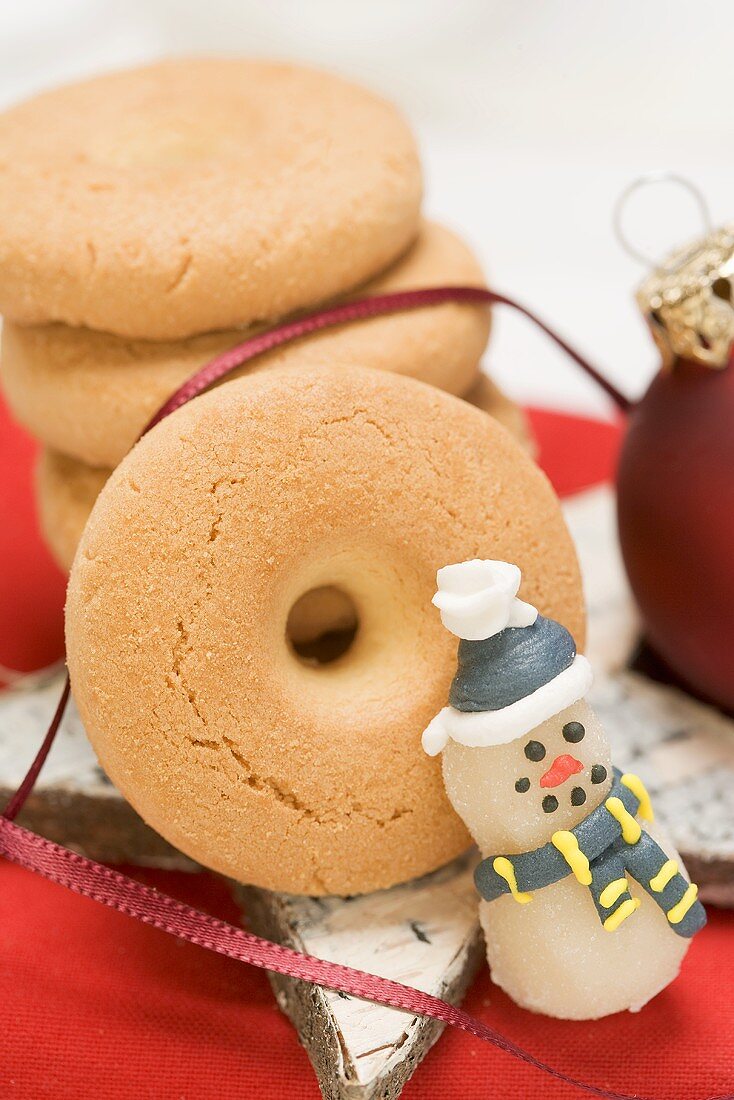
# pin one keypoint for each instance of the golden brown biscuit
(67, 489)
(197, 194)
(486, 395)
(253, 759)
(89, 394)
(65, 494)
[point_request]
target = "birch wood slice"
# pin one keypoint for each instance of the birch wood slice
(425, 934)
(682, 749)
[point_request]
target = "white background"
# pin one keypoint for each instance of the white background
(532, 116)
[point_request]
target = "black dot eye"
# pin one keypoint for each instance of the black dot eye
(522, 785)
(534, 750)
(550, 803)
(598, 773)
(573, 732)
(578, 796)
(722, 288)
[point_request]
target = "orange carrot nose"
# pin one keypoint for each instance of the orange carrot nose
(560, 769)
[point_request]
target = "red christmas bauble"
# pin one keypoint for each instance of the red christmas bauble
(676, 522)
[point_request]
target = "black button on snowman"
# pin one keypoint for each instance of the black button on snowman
(584, 912)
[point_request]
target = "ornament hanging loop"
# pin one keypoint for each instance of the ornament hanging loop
(687, 298)
(651, 179)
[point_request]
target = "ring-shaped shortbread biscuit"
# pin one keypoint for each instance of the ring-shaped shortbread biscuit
(248, 756)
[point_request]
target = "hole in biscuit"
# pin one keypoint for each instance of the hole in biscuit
(322, 625)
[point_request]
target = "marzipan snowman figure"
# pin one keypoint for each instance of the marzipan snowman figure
(585, 911)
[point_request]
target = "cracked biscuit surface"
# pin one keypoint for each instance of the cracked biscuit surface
(67, 489)
(197, 194)
(261, 764)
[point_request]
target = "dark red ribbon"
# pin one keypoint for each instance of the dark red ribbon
(117, 891)
(361, 309)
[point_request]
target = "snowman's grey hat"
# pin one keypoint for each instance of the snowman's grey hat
(515, 668)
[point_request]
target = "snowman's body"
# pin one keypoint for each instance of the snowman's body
(553, 954)
(585, 913)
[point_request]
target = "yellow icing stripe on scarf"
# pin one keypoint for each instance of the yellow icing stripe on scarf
(612, 892)
(505, 870)
(668, 871)
(631, 829)
(639, 790)
(678, 912)
(626, 909)
(568, 846)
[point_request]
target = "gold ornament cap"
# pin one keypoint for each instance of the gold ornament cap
(688, 301)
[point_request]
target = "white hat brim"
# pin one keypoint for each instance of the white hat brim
(481, 729)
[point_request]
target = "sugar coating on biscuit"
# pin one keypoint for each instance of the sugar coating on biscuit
(256, 762)
(89, 394)
(197, 194)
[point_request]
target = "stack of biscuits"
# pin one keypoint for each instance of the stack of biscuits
(153, 218)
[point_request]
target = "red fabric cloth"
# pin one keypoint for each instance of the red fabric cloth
(31, 587)
(95, 1004)
(575, 453)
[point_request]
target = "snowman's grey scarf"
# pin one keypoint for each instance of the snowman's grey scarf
(611, 859)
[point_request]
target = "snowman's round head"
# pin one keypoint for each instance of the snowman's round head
(514, 796)
(524, 754)
(515, 668)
